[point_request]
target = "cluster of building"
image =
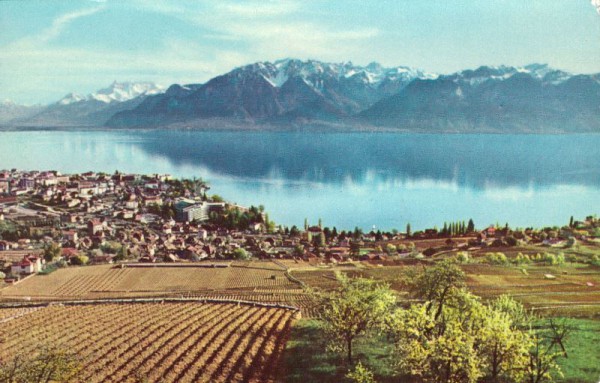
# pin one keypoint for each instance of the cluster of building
(153, 218)
(110, 217)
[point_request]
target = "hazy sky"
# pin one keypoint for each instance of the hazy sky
(50, 48)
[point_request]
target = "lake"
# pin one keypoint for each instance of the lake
(348, 179)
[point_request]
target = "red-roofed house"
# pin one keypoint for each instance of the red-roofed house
(28, 265)
(69, 252)
(94, 227)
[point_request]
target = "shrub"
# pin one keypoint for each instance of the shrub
(429, 252)
(360, 374)
(240, 253)
(496, 258)
(463, 257)
(572, 258)
(79, 260)
(554, 260)
(522, 259)
(511, 241)
(48, 270)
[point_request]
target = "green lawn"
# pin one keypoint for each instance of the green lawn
(306, 359)
(583, 348)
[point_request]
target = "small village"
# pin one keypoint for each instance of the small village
(50, 220)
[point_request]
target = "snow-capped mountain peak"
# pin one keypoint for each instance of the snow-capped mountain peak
(116, 92)
(124, 91)
(71, 98)
(314, 72)
(540, 72)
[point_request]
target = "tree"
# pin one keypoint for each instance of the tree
(505, 348)
(442, 350)
(390, 249)
(241, 254)
(468, 342)
(80, 260)
(167, 211)
(470, 226)
(298, 251)
(408, 231)
(269, 225)
(321, 240)
(294, 232)
(520, 318)
(52, 251)
(354, 308)
(436, 284)
(50, 364)
(122, 254)
(355, 248)
(542, 361)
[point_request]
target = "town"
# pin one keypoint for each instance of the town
(134, 247)
(50, 220)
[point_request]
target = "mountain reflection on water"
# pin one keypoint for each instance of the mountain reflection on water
(347, 179)
(473, 161)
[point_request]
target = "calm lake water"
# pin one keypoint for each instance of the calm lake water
(353, 179)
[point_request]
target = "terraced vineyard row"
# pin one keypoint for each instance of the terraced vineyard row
(105, 281)
(297, 299)
(168, 342)
(13, 313)
(83, 284)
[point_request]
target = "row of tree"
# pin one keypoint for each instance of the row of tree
(449, 336)
(457, 228)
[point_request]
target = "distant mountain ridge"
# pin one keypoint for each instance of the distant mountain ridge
(116, 92)
(92, 110)
(10, 111)
(290, 94)
(533, 99)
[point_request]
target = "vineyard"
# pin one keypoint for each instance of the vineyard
(107, 281)
(572, 290)
(167, 342)
(249, 281)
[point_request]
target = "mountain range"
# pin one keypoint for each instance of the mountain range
(78, 110)
(299, 94)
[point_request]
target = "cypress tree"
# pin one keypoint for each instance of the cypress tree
(471, 226)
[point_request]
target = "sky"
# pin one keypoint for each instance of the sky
(51, 48)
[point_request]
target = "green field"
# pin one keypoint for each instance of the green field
(583, 348)
(306, 358)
